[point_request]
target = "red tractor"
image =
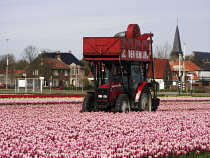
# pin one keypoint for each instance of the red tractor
(120, 66)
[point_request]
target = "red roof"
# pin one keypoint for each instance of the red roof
(56, 63)
(191, 66)
(159, 67)
(20, 71)
(188, 66)
(90, 74)
(17, 72)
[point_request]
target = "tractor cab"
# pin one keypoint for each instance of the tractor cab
(113, 78)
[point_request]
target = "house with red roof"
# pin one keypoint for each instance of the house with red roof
(162, 73)
(12, 74)
(187, 69)
(53, 70)
(77, 72)
(60, 72)
(61, 69)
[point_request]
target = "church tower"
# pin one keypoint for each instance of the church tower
(177, 49)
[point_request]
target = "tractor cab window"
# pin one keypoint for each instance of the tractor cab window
(106, 76)
(108, 72)
(116, 74)
(136, 76)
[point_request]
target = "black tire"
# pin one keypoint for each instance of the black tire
(154, 108)
(88, 103)
(145, 101)
(123, 104)
(155, 104)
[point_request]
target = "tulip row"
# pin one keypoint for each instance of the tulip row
(38, 95)
(79, 99)
(28, 101)
(185, 99)
(62, 131)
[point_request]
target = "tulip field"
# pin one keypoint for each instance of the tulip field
(54, 127)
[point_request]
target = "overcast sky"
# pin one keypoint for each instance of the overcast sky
(60, 25)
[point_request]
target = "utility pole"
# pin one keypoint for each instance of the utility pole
(184, 82)
(179, 82)
(7, 66)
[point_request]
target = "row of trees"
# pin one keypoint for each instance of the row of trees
(28, 55)
(163, 52)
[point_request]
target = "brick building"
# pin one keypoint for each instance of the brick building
(62, 69)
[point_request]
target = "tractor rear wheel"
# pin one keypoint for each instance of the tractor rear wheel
(88, 103)
(123, 104)
(145, 101)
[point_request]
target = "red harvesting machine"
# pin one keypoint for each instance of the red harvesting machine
(120, 66)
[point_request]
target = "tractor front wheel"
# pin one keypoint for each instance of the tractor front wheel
(145, 101)
(123, 104)
(88, 103)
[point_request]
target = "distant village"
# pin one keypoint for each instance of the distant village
(63, 69)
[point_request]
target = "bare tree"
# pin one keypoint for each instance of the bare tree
(3, 61)
(30, 53)
(163, 52)
(11, 65)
